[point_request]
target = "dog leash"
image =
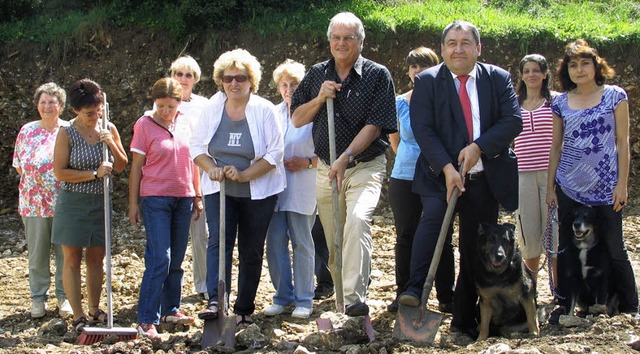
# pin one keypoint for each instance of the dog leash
(552, 217)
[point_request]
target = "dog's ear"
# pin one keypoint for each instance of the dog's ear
(510, 226)
(511, 231)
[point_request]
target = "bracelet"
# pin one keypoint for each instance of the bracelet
(198, 196)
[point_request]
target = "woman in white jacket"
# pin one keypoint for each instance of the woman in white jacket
(238, 140)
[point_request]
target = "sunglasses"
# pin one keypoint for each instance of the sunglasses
(227, 79)
(187, 75)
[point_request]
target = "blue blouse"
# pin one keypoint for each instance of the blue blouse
(408, 149)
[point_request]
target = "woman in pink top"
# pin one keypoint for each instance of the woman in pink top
(162, 191)
(532, 148)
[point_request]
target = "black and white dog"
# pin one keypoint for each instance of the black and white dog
(505, 286)
(588, 265)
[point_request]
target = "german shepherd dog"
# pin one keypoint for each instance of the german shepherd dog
(588, 266)
(505, 286)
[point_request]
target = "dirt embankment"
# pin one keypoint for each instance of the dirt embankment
(126, 63)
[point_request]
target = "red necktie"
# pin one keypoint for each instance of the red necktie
(466, 104)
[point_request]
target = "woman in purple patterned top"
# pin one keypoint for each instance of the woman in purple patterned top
(589, 163)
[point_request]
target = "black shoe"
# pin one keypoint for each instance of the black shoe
(393, 307)
(356, 310)
(554, 317)
(408, 299)
(322, 293)
(470, 331)
(445, 307)
(210, 313)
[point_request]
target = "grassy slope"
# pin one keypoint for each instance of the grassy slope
(524, 21)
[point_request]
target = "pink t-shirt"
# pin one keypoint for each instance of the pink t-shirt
(168, 169)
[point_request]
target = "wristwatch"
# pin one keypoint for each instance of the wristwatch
(348, 152)
(95, 174)
(310, 163)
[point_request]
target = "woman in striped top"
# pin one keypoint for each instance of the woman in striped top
(532, 148)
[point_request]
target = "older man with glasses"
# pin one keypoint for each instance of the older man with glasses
(365, 113)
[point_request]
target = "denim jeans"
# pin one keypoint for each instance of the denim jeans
(166, 221)
(285, 226)
(38, 233)
(250, 219)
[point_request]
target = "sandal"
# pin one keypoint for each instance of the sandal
(79, 324)
(99, 316)
(209, 313)
(245, 321)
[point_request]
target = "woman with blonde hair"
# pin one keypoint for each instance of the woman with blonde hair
(187, 72)
(238, 141)
(296, 210)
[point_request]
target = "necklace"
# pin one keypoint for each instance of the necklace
(530, 107)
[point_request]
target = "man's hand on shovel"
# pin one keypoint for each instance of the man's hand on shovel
(337, 170)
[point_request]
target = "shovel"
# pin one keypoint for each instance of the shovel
(417, 323)
(222, 330)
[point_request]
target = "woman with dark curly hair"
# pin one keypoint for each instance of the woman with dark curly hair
(589, 163)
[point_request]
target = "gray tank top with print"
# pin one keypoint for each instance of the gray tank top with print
(232, 145)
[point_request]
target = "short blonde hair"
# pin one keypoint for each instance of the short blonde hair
(186, 63)
(167, 88)
(290, 67)
(239, 59)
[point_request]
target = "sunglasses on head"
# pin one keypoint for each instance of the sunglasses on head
(227, 79)
(187, 75)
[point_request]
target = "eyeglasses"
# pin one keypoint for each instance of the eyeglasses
(347, 39)
(227, 79)
(187, 75)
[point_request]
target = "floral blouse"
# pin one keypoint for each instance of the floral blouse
(33, 154)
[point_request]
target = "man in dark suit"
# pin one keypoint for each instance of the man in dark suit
(464, 115)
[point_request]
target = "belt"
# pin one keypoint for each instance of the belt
(474, 176)
(355, 162)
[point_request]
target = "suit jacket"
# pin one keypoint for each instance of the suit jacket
(440, 130)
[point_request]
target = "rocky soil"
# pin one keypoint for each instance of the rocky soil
(284, 334)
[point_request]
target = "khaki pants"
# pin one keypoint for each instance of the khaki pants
(358, 198)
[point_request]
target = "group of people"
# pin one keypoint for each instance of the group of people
(453, 131)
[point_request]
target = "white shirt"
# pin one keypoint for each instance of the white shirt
(300, 194)
(267, 137)
(472, 91)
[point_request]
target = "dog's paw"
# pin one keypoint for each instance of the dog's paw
(598, 309)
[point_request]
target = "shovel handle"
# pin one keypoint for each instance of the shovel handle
(337, 251)
(222, 237)
(435, 261)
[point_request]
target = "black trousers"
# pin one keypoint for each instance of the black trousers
(622, 276)
(323, 275)
(407, 211)
(477, 204)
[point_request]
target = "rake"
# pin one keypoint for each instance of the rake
(92, 335)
